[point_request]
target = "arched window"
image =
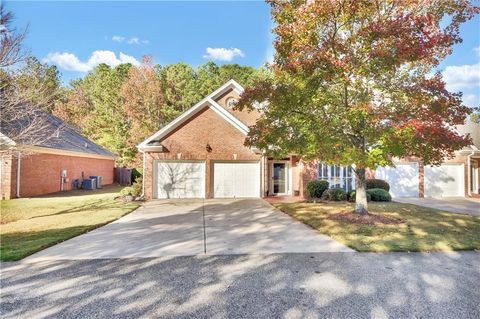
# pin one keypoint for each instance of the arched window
(231, 101)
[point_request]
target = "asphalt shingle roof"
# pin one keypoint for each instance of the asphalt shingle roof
(61, 136)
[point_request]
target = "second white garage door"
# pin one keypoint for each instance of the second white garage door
(445, 180)
(179, 179)
(236, 179)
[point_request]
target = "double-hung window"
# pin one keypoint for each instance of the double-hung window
(337, 176)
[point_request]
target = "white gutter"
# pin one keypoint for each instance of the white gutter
(18, 174)
(469, 173)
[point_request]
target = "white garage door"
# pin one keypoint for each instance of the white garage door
(403, 179)
(179, 179)
(445, 180)
(236, 179)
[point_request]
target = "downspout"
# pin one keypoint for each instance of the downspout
(469, 173)
(18, 174)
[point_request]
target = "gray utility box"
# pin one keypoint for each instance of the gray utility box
(98, 180)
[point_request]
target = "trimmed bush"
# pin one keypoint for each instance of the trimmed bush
(316, 188)
(379, 195)
(377, 183)
(334, 194)
(352, 194)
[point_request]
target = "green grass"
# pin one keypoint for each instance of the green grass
(425, 229)
(32, 224)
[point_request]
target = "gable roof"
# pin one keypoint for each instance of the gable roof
(58, 135)
(208, 101)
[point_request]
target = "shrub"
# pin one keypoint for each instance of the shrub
(315, 189)
(137, 187)
(377, 183)
(134, 190)
(352, 194)
(379, 195)
(334, 194)
(136, 173)
(126, 191)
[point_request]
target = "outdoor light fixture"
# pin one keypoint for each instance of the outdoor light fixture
(208, 148)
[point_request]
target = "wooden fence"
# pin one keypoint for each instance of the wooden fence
(123, 176)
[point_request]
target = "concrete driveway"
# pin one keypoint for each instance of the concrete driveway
(466, 206)
(195, 227)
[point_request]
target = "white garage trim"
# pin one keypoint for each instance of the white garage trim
(235, 179)
(403, 178)
(446, 180)
(178, 179)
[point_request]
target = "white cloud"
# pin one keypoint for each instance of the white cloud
(70, 62)
(471, 100)
(462, 76)
(132, 40)
(223, 54)
(118, 38)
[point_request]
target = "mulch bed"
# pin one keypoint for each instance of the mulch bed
(368, 219)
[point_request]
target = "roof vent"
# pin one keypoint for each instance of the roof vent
(86, 144)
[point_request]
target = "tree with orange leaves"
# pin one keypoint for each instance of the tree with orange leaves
(353, 83)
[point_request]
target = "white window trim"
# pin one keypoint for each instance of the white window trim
(332, 179)
(288, 178)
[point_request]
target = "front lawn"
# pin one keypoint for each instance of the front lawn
(32, 224)
(423, 229)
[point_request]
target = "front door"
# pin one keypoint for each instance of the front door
(279, 178)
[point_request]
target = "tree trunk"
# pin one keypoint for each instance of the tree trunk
(361, 205)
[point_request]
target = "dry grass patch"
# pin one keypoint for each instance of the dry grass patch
(417, 228)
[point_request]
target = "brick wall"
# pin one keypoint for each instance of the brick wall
(189, 142)
(40, 173)
(246, 117)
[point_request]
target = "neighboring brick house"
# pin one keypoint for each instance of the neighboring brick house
(201, 154)
(38, 169)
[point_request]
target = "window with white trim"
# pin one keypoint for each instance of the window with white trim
(337, 176)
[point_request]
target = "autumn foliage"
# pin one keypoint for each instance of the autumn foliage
(355, 82)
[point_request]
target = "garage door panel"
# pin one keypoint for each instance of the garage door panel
(236, 179)
(446, 180)
(180, 179)
(403, 179)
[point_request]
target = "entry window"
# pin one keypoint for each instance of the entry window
(279, 178)
(337, 176)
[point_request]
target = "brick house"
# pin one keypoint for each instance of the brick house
(201, 154)
(52, 165)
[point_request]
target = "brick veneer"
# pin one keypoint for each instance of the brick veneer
(189, 142)
(40, 173)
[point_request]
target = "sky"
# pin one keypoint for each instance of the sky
(77, 36)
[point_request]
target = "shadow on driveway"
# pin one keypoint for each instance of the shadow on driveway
(195, 227)
(319, 285)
